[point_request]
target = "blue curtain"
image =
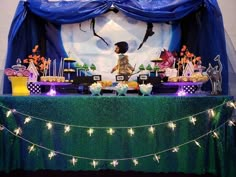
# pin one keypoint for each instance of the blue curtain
(39, 22)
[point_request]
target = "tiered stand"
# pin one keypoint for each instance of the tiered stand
(68, 71)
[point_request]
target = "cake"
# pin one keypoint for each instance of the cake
(52, 79)
(69, 70)
(158, 60)
(196, 77)
(69, 59)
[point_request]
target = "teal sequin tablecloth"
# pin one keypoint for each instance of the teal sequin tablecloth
(130, 133)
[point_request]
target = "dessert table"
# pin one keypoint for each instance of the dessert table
(158, 134)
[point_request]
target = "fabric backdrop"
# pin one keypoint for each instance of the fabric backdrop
(40, 22)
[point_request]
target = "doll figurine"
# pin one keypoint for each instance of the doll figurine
(123, 66)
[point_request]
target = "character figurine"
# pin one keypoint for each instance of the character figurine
(214, 74)
(123, 66)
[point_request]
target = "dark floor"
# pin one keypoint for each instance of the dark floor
(107, 173)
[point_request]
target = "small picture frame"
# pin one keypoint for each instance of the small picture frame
(97, 78)
(120, 78)
(143, 77)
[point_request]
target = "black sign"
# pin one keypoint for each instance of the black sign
(120, 78)
(143, 77)
(97, 77)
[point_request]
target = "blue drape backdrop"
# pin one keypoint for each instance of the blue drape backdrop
(39, 22)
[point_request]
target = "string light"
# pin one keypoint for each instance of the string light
(51, 155)
(9, 112)
(1, 127)
(27, 120)
(110, 131)
(215, 135)
(90, 131)
(192, 120)
(231, 104)
(114, 163)
(151, 129)
(66, 129)
(131, 131)
(231, 123)
(211, 113)
(197, 143)
(94, 163)
(172, 125)
(49, 125)
(18, 131)
(157, 158)
(31, 148)
(135, 162)
(73, 161)
(175, 149)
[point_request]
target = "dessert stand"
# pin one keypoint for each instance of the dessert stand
(52, 91)
(69, 70)
(180, 91)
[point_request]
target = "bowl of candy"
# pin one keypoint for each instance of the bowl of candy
(146, 89)
(121, 89)
(95, 89)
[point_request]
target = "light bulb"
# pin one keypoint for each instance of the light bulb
(231, 123)
(90, 131)
(172, 125)
(197, 143)
(157, 158)
(135, 161)
(192, 120)
(27, 120)
(9, 112)
(231, 104)
(49, 125)
(215, 135)
(1, 127)
(110, 131)
(131, 131)
(73, 161)
(18, 131)
(211, 113)
(94, 163)
(175, 149)
(31, 148)
(151, 129)
(66, 129)
(51, 155)
(114, 163)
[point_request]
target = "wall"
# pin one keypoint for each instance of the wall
(7, 10)
(228, 10)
